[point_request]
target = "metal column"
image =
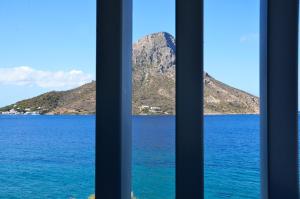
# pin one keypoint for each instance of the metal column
(113, 117)
(279, 96)
(189, 99)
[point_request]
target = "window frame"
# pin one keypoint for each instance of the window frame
(278, 102)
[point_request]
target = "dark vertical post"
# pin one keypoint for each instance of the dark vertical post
(279, 95)
(189, 99)
(113, 117)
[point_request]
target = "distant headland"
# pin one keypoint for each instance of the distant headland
(153, 84)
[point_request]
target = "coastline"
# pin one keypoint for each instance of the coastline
(160, 115)
(208, 114)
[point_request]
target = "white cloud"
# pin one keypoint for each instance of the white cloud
(27, 76)
(249, 37)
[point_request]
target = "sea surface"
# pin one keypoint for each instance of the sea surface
(45, 157)
(54, 156)
(231, 157)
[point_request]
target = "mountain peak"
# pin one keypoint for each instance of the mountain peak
(154, 81)
(162, 35)
(155, 54)
(157, 40)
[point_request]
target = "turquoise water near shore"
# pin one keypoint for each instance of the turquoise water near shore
(53, 157)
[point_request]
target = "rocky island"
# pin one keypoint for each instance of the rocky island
(153, 84)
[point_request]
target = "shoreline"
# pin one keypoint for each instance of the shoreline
(205, 114)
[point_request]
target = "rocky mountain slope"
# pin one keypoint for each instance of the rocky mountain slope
(153, 82)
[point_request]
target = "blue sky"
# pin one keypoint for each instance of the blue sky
(50, 44)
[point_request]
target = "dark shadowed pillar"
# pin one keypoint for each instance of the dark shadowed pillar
(113, 118)
(189, 99)
(279, 96)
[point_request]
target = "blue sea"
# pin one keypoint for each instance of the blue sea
(53, 157)
(45, 157)
(231, 157)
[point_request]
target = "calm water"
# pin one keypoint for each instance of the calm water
(231, 157)
(53, 157)
(46, 157)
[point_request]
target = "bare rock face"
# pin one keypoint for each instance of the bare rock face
(154, 55)
(153, 83)
(153, 74)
